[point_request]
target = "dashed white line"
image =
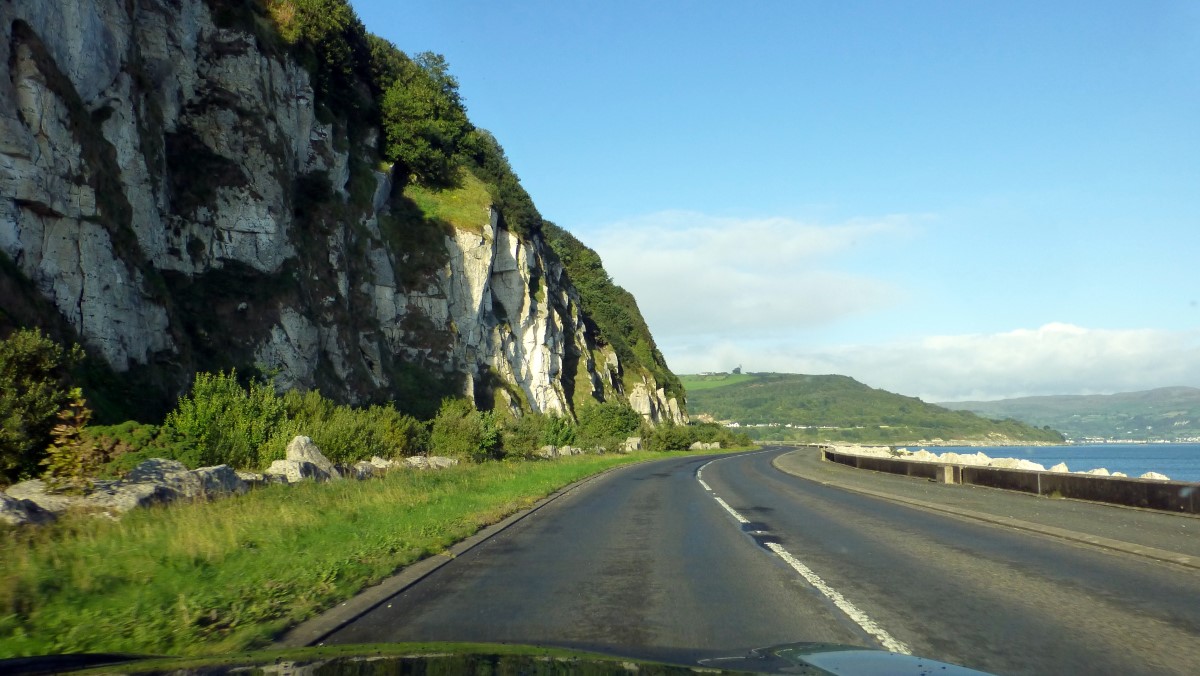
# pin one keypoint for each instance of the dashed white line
(852, 611)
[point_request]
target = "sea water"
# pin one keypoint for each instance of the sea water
(1181, 462)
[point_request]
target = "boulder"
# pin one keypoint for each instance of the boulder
(118, 497)
(170, 473)
(1120, 474)
(1156, 476)
(302, 449)
(1100, 471)
(697, 446)
(381, 464)
(1016, 463)
(547, 452)
(219, 481)
(16, 512)
(1061, 468)
(441, 462)
(36, 491)
(361, 470)
(251, 478)
(924, 456)
(295, 471)
(631, 444)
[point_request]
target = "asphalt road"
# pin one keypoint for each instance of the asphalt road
(647, 562)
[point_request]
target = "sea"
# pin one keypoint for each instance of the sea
(1181, 462)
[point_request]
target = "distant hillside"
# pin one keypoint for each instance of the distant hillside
(1168, 413)
(838, 408)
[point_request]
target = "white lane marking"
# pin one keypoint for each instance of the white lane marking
(860, 618)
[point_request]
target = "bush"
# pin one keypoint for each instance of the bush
(33, 373)
(72, 460)
(225, 422)
(346, 434)
(669, 438)
(523, 436)
(607, 424)
(460, 431)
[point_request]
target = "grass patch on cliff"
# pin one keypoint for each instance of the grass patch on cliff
(464, 206)
(214, 578)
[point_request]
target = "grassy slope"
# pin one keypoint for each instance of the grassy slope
(695, 383)
(465, 207)
(1169, 412)
(212, 578)
(860, 413)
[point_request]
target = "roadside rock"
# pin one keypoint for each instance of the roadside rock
(220, 480)
(302, 449)
(1156, 476)
(1016, 463)
(631, 444)
(119, 497)
(295, 471)
(35, 491)
(169, 473)
(381, 464)
(361, 470)
(547, 452)
(15, 512)
(251, 478)
(430, 462)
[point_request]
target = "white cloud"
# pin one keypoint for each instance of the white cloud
(1054, 359)
(694, 274)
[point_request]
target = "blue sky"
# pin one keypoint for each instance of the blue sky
(945, 199)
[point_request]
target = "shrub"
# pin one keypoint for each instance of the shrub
(346, 434)
(524, 435)
(72, 460)
(669, 438)
(33, 372)
(461, 431)
(607, 424)
(225, 422)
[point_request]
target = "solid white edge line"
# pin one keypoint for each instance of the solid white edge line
(852, 611)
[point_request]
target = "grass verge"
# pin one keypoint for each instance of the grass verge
(220, 577)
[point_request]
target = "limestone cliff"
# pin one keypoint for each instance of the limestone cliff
(170, 187)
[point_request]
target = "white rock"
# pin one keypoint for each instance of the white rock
(924, 456)
(301, 449)
(295, 471)
(1061, 468)
(1156, 476)
(381, 464)
(16, 512)
(1100, 471)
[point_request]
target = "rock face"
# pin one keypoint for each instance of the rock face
(154, 172)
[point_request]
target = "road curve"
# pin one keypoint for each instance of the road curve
(648, 562)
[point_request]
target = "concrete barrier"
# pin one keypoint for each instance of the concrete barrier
(1169, 496)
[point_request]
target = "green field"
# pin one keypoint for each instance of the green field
(696, 383)
(219, 577)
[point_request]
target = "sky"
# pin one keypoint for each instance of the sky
(951, 200)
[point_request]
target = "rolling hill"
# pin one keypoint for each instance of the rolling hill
(1164, 414)
(838, 408)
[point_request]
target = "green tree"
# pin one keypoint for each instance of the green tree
(33, 375)
(423, 118)
(73, 459)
